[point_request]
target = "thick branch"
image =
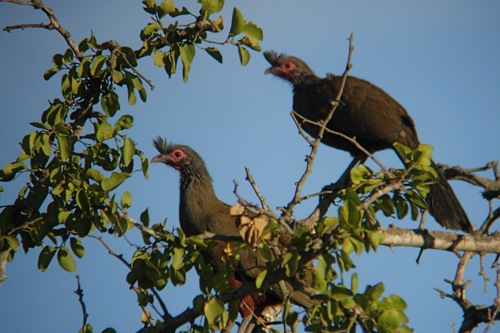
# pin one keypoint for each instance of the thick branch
(491, 187)
(440, 240)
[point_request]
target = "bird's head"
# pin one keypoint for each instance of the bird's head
(177, 156)
(289, 68)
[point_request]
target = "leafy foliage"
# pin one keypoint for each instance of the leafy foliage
(80, 153)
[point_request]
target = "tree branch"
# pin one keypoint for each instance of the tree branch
(440, 240)
(79, 292)
(53, 25)
(287, 211)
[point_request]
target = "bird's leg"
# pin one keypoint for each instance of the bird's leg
(245, 323)
(228, 326)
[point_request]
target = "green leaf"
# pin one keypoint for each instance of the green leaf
(13, 168)
(348, 303)
(341, 293)
(144, 165)
(125, 122)
(260, 278)
(145, 217)
(359, 174)
(386, 204)
(130, 56)
(149, 6)
(177, 262)
(118, 77)
(159, 58)
(237, 23)
(94, 175)
(143, 94)
(82, 200)
(401, 206)
(50, 73)
(65, 259)
(265, 252)
(388, 321)
(214, 53)
(97, 64)
(214, 310)
(77, 247)
(374, 292)
(12, 241)
(187, 55)
(126, 200)
(208, 7)
(291, 262)
(84, 67)
(104, 131)
(64, 143)
(354, 283)
(110, 103)
(403, 151)
(423, 152)
(244, 55)
(128, 151)
(44, 144)
(131, 97)
(109, 184)
(374, 237)
(393, 302)
(45, 257)
(349, 213)
(90, 329)
(252, 31)
(166, 7)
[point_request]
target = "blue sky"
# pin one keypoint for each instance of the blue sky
(438, 59)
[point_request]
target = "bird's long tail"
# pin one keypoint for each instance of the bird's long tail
(444, 205)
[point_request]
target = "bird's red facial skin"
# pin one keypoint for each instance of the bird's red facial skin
(176, 157)
(287, 71)
(288, 66)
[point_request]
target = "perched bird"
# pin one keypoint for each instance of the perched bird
(200, 211)
(366, 113)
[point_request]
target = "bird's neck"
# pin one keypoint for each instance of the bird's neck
(197, 198)
(304, 79)
(197, 183)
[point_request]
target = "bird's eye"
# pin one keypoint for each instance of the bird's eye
(177, 154)
(288, 65)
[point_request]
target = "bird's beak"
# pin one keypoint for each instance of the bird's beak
(269, 71)
(157, 158)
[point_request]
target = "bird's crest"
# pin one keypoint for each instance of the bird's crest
(162, 145)
(274, 58)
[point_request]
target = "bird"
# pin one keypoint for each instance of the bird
(367, 114)
(201, 211)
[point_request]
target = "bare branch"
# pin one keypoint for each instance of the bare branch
(79, 292)
(287, 211)
(440, 240)
(53, 25)
(256, 189)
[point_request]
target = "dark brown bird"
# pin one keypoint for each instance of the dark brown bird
(200, 210)
(366, 113)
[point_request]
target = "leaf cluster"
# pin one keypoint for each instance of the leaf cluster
(168, 43)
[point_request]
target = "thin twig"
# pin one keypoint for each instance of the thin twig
(53, 25)
(256, 189)
(166, 314)
(79, 292)
(287, 211)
